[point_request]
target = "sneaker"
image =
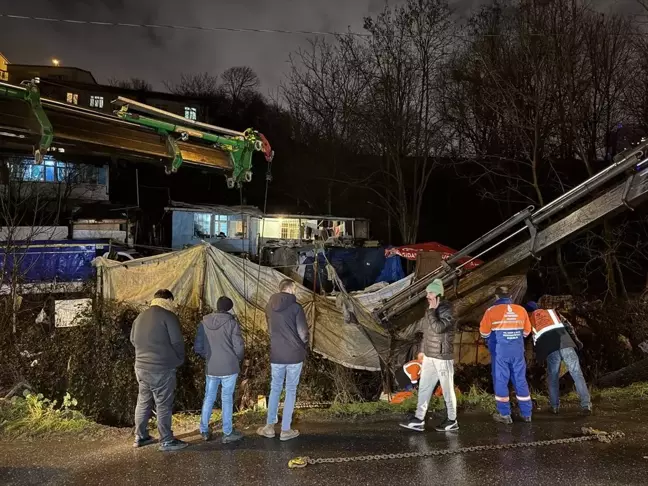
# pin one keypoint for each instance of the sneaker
(141, 442)
(554, 410)
(173, 445)
(413, 423)
(267, 431)
(585, 412)
(447, 425)
(233, 437)
(526, 420)
(503, 419)
(288, 434)
(206, 436)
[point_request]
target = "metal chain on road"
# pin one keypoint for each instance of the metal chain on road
(305, 405)
(589, 434)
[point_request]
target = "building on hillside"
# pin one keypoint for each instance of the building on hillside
(79, 87)
(26, 72)
(245, 229)
(71, 187)
(4, 74)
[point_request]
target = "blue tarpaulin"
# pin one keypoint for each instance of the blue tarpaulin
(50, 261)
(392, 271)
(357, 268)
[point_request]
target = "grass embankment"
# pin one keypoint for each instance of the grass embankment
(34, 416)
(473, 400)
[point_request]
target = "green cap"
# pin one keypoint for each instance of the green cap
(436, 287)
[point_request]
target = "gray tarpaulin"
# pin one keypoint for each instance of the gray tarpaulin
(199, 275)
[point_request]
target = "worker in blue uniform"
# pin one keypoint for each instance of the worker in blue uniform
(504, 327)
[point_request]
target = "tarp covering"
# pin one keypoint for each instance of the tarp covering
(199, 275)
(411, 251)
(204, 273)
(49, 261)
(392, 271)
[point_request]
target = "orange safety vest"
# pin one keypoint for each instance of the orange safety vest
(543, 321)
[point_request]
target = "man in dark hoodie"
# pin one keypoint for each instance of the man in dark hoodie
(219, 342)
(159, 350)
(288, 344)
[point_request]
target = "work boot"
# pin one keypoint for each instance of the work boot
(585, 411)
(233, 437)
(206, 436)
(173, 445)
(447, 425)
(267, 431)
(288, 434)
(144, 441)
(413, 423)
(502, 419)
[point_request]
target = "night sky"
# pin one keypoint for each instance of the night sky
(158, 55)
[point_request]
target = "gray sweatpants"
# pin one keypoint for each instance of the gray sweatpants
(158, 388)
(436, 371)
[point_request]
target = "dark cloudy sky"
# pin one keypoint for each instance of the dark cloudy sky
(163, 54)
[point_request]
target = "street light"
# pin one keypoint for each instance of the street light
(56, 62)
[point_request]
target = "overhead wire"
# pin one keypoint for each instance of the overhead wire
(200, 28)
(178, 27)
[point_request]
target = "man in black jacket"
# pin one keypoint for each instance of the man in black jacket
(219, 342)
(438, 327)
(159, 351)
(288, 344)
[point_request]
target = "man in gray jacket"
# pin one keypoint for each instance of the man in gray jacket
(219, 342)
(288, 345)
(159, 351)
(438, 327)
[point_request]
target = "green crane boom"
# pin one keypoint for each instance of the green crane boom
(239, 145)
(29, 93)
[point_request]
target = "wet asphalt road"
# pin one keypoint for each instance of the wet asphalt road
(261, 461)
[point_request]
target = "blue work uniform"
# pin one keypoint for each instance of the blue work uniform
(504, 326)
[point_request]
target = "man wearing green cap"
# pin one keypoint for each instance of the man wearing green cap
(438, 327)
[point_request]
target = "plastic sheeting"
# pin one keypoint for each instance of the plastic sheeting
(392, 271)
(199, 275)
(51, 261)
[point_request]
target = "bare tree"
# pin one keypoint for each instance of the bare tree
(322, 93)
(25, 216)
(203, 85)
(239, 81)
(377, 96)
(132, 83)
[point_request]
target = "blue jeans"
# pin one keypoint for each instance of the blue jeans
(570, 357)
(291, 374)
(227, 398)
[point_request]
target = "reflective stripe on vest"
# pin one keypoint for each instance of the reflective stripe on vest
(413, 370)
(544, 321)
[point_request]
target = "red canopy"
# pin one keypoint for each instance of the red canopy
(410, 252)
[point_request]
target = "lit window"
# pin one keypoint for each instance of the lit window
(210, 225)
(72, 98)
(220, 224)
(52, 170)
(202, 225)
(290, 229)
(191, 113)
(96, 101)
